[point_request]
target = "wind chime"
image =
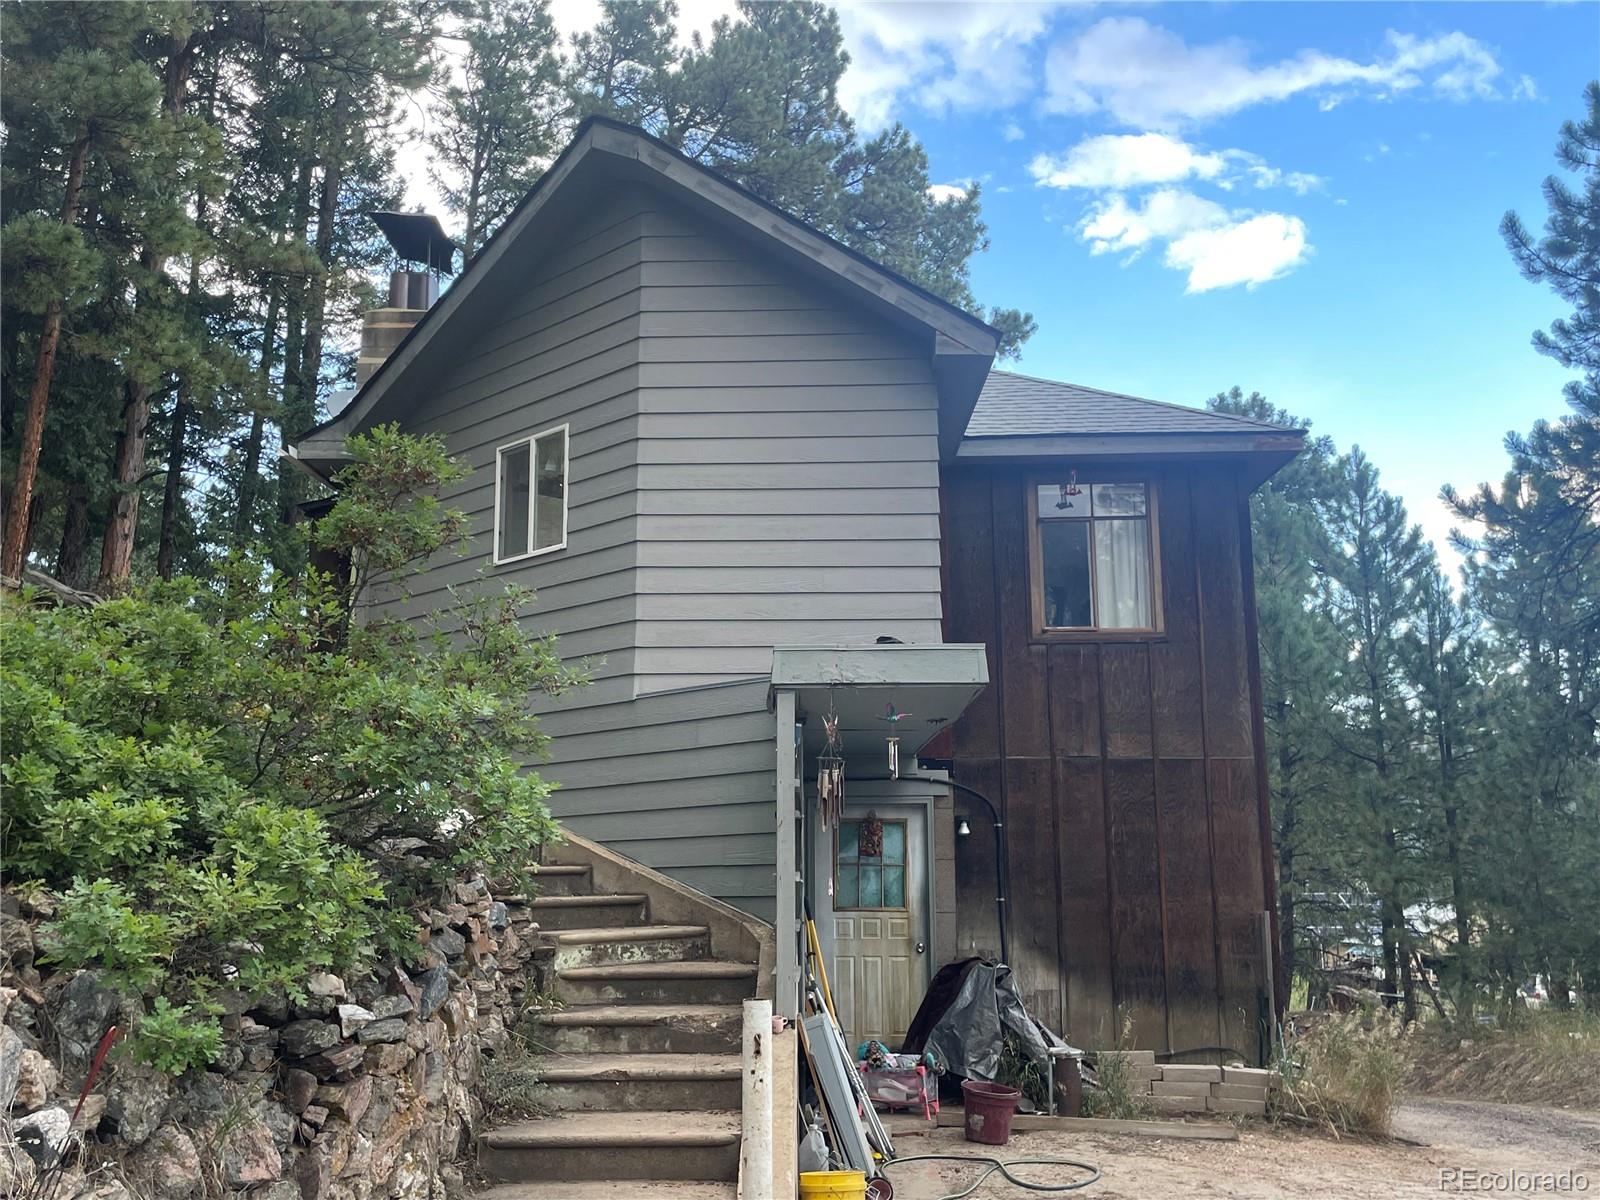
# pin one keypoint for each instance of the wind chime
(893, 716)
(830, 770)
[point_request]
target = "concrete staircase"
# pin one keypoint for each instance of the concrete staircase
(641, 1058)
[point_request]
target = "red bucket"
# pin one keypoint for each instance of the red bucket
(989, 1109)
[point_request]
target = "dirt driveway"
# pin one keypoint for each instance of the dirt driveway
(1492, 1139)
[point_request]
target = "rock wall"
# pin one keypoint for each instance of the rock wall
(366, 1089)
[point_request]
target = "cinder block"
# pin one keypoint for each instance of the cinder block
(1138, 1058)
(1144, 1074)
(1179, 1073)
(1255, 1076)
(1162, 1088)
(1239, 1091)
(1178, 1103)
(1250, 1108)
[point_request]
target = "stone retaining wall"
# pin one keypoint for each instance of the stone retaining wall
(366, 1089)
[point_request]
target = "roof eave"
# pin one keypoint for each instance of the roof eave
(959, 340)
(1261, 454)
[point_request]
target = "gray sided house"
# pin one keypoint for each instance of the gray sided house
(753, 476)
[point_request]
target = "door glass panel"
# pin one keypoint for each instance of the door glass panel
(848, 894)
(894, 842)
(894, 887)
(871, 880)
(871, 885)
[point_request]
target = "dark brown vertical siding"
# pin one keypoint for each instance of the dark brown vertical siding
(1126, 770)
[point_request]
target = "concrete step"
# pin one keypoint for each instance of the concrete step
(590, 911)
(641, 1029)
(563, 879)
(631, 1082)
(703, 982)
(614, 1189)
(614, 1146)
(591, 947)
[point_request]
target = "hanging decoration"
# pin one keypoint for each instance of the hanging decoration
(893, 716)
(871, 836)
(830, 770)
(1068, 490)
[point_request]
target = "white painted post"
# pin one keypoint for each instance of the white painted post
(787, 920)
(755, 1178)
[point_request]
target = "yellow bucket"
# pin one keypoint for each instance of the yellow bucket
(833, 1185)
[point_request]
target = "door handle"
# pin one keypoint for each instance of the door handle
(921, 948)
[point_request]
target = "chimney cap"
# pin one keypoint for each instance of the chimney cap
(419, 238)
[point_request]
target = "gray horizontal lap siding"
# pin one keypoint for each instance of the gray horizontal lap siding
(788, 465)
(753, 463)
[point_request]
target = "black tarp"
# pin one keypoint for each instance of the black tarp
(968, 1009)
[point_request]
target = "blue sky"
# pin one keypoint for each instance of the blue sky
(1301, 199)
(1298, 198)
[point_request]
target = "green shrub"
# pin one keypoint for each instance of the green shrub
(215, 776)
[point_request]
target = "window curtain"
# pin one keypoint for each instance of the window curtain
(1122, 575)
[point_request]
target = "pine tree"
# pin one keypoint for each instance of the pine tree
(1299, 674)
(1375, 572)
(499, 121)
(76, 95)
(758, 102)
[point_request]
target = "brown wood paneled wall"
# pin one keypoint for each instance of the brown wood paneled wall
(1126, 770)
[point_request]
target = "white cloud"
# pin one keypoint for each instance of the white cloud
(1115, 226)
(1525, 89)
(938, 56)
(1251, 252)
(942, 192)
(1012, 132)
(1129, 160)
(1144, 75)
(1218, 248)
(1116, 161)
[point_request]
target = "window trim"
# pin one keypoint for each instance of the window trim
(1093, 633)
(532, 442)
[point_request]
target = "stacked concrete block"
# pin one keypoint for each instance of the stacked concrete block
(1185, 1087)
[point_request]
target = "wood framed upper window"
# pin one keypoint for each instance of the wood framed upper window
(870, 864)
(1093, 565)
(530, 495)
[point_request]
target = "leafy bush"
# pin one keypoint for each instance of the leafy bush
(1343, 1074)
(234, 785)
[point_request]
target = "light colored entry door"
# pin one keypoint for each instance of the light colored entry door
(880, 930)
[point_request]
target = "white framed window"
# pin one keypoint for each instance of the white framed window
(530, 495)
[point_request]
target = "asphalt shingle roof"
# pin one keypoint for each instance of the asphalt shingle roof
(1022, 406)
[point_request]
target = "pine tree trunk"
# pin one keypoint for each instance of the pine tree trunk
(294, 385)
(172, 492)
(116, 549)
(19, 510)
(250, 479)
(74, 536)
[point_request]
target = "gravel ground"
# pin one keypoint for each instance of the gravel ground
(1458, 1135)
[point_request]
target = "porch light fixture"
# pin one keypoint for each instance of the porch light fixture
(963, 829)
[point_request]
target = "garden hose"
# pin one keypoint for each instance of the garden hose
(1003, 1166)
